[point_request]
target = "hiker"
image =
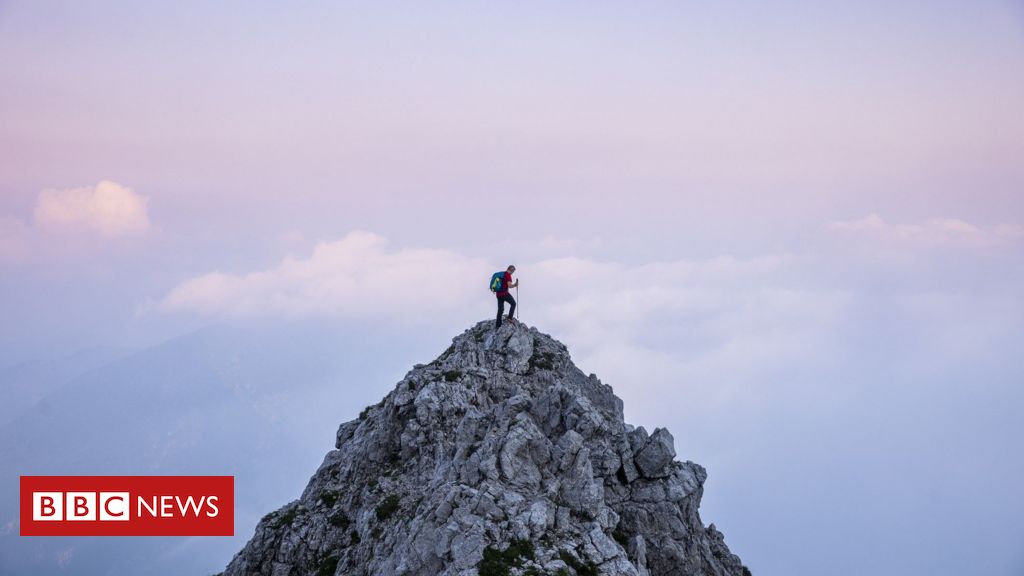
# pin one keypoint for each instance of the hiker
(500, 283)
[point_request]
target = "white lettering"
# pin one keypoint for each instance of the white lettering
(212, 503)
(167, 506)
(144, 504)
(190, 503)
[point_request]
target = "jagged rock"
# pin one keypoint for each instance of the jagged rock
(657, 452)
(500, 444)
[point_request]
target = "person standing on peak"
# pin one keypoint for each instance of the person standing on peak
(500, 283)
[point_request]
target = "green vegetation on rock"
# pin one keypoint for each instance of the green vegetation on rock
(387, 507)
(500, 562)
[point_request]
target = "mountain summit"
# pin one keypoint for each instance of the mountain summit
(500, 457)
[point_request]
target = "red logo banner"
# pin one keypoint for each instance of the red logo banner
(127, 505)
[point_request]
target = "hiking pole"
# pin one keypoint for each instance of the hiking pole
(517, 301)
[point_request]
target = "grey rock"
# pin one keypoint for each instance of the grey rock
(656, 454)
(604, 545)
(499, 439)
(638, 554)
(637, 438)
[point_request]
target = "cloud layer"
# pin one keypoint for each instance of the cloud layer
(357, 276)
(732, 321)
(654, 323)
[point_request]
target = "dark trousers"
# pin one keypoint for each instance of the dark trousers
(501, 308)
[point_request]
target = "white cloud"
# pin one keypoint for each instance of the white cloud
(934, 232)
(357, 276)
(107, 208)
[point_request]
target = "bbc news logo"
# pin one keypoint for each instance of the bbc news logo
(127, 505)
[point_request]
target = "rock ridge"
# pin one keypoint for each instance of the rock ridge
(499, 458)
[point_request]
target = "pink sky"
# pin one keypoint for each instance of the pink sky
(774, 222)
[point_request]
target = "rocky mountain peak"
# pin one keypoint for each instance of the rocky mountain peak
(498, 458)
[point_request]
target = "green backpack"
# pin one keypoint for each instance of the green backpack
(497, 279)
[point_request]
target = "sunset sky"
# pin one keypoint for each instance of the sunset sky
(793, 233)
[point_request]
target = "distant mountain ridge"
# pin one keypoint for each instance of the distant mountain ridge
(211, 401)
(498, 458)
(25, 383)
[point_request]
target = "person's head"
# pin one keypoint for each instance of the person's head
(510, 269)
